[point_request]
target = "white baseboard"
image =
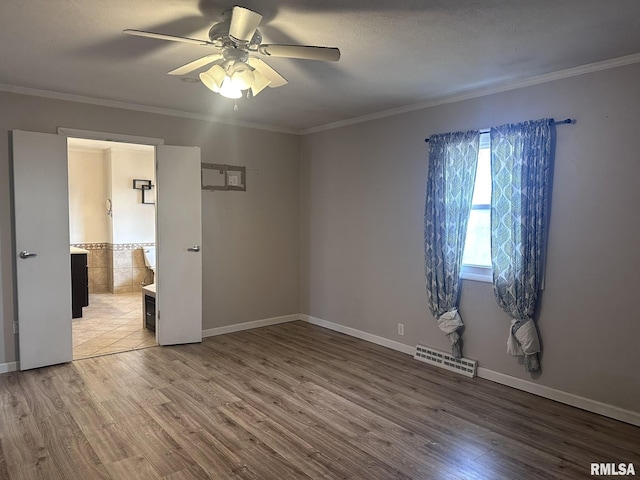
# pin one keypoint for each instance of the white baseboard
(238, 327)
(583, 403)
(8, 367)
(352, 332)
(587, 404)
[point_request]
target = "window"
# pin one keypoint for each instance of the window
(476, 260)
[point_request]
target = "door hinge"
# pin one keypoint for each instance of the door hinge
(158, 315)
(15, 327)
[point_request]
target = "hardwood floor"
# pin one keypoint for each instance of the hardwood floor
(291, 401)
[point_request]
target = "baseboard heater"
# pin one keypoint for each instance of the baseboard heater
(463, 366)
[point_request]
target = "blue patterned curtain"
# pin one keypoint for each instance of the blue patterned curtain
(453, 158)
(520, 170)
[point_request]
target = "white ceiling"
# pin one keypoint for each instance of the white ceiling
(394, 54)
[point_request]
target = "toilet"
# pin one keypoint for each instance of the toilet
(150, 258)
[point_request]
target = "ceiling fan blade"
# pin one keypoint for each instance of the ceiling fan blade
(196, 64)
(269, 73)
(328, 54)
(162, 36)
(244, 23)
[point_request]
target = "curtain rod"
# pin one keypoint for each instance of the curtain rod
(551, 122)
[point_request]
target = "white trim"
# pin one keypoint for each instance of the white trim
(566, 398)
(589, 405)
(142, 108)
(476, 277)
(9, 367)
(504, 87)
(120, 147)
(109, 137)
(238, 327)
(476, 273)
(583, 403)
(352, 332)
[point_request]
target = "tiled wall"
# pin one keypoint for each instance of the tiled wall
(99, 268)
(129, 270)
(116, 268)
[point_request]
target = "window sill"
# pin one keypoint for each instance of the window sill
(477, 273)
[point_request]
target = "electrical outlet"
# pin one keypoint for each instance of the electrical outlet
(401, 329)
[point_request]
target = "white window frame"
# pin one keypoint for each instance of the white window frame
(479, 273)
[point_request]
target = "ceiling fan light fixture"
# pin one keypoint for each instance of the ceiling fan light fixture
(228, 90)
(214, 78)
(241, 76)
(260, 82)
(236, 68)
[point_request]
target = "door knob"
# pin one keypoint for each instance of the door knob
(25, 254)
(195, 248)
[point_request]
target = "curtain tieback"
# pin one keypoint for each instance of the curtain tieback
(523, 338)
(449, 323)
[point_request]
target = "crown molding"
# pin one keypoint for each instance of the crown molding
(142, 108)
(503, 87)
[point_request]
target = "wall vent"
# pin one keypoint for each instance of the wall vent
(463, 366)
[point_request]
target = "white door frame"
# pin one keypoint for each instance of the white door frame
(121, 138)
(109, 137)
(65, 133)
(94, 135)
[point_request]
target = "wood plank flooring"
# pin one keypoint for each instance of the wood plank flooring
(291, 401)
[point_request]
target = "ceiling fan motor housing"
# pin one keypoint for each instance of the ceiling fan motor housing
(235, 54)
(220, 33)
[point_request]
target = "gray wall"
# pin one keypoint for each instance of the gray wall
(362, 201)
(350, 219)
(250, 239)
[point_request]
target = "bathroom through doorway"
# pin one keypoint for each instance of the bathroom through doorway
(113, 232)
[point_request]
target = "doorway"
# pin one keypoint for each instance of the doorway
(42, 246)
(112, 223)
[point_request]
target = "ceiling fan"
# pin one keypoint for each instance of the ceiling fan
(237, 67)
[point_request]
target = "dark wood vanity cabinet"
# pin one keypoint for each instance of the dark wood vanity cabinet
(79, 284)
(150, 312)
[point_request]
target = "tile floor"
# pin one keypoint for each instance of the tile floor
(110, 324)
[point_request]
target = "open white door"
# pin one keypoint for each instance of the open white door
(43, 261)
(179, 236)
